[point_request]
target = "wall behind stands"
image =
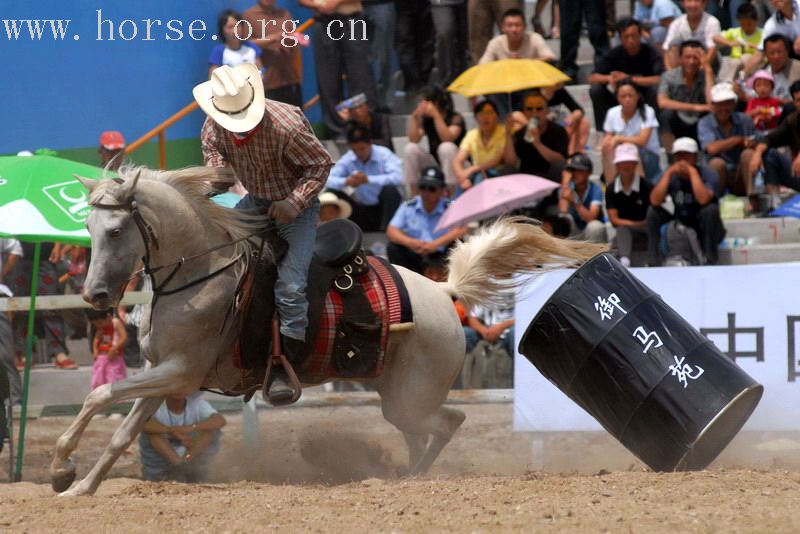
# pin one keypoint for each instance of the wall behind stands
(60, 93)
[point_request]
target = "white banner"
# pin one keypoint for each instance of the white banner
(751, 312)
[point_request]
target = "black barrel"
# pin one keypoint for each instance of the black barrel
(652, 380)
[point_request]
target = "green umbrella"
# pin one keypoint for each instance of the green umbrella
(40, 200)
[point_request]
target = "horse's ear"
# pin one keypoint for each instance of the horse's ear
(88, 183)
(130, 185)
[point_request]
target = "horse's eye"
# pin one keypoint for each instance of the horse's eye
(116, 232)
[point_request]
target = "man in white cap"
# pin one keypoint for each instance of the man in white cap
(694, 190)
(627, 200)
(283, 166)
(726, 136)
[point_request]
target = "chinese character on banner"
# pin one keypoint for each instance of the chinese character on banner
(647, 338)
(606, 306)
(684, 371)
(730, 333)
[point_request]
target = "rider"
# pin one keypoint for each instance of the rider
(283, 166)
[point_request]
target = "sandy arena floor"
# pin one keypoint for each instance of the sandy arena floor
(337, 470)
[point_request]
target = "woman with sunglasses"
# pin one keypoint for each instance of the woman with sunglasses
(632, 121)
(483, 146)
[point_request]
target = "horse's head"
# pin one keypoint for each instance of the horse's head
(117, 242)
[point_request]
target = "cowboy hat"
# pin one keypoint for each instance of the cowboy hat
(233, 97)
(330, 199)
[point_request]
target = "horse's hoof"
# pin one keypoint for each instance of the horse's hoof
(62, 481)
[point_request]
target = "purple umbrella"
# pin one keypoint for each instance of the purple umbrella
(495, 196)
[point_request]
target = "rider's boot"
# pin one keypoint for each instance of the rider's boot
(280, 391)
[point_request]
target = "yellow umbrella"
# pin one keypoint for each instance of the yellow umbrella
(506, 76)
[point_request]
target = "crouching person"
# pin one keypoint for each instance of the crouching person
(581, 200)
(180, 440)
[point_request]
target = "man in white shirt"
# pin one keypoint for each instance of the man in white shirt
(694, 25)
(11, 252)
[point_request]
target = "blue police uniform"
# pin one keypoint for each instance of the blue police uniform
(412, 219)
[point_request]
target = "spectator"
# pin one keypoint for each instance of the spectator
(627, 199)
(514, 43)
(411, 232)
(280, 53)
(743, 41)
(655, 17)
(53, 323)
(764, 109)
(493, 324)
(414, 43)
(283, 166)
(682, 94)
(10, 254)
(482, 145)
(536, 22)
(567, 113)
(334, 57)
(180, 439)
(233, 50)
(694, 189)
(332, 207)
(632, 121)
(634, 60)
(368, 177)
(482, 16)
(378, 124)
(694, 25)
(381, 21)
(785, 70)
(784, 21)
(572, 13)
(582, 200)
(451, 43)
(779, 168)
(434, 118)
(726, 136)
(540, 147)
(107, 348)
(111, 149)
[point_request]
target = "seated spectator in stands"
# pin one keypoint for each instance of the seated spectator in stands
(10, 254)
(743, 42)
(779, 168)
(280, 77)
(764, 109)
(632, 121)
(434, 118)
(634, 60)
(694, 25)
(682, 94)
(111, 150)
(784, 21)
(493, 324)
(655, 17)
(694, 189)
(180, 439)
(582, 200)
(785, 70)
(566, 112)
(483, 146)
(514, 42)
(411, 233)
(627, 200)
(540, 147)
(726, 136)
(357, 110)
(232, 51)
(369, 178)
(332, 207)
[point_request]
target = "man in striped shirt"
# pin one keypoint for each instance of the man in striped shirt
(283, 166)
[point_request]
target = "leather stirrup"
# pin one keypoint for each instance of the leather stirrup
(279, 358)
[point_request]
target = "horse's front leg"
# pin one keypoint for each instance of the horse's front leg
(121, 440)
(170, 377)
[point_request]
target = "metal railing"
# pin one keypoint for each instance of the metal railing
(160, 130)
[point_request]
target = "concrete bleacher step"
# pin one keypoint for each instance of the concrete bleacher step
(770, 253)
(765, 231)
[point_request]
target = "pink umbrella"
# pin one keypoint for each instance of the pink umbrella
(495, 196)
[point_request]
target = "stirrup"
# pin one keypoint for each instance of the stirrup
(279, 359)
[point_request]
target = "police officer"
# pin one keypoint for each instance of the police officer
(411, 230)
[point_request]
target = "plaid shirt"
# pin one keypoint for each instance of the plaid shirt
(282, 159)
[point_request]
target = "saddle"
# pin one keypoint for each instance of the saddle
(348, 314)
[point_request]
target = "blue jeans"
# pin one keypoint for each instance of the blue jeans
(157, 469)
(651, 162)
(778, 170)
(290, 289)
(380, 27)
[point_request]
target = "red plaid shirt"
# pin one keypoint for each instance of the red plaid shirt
(282, 159)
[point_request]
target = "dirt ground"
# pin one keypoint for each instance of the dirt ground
(338, 469)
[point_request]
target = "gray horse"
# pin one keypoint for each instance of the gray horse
(166, 216)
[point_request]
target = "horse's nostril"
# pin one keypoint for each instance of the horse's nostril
(100, 296)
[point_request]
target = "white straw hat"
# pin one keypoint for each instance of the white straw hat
(330, 199)
(233, 97)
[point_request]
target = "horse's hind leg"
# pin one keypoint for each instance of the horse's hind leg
(445, 422)
(416, 447)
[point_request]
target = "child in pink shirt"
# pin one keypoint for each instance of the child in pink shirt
(764, 109)
(109, 340)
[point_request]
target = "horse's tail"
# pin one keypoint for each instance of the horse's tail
(482, 268)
